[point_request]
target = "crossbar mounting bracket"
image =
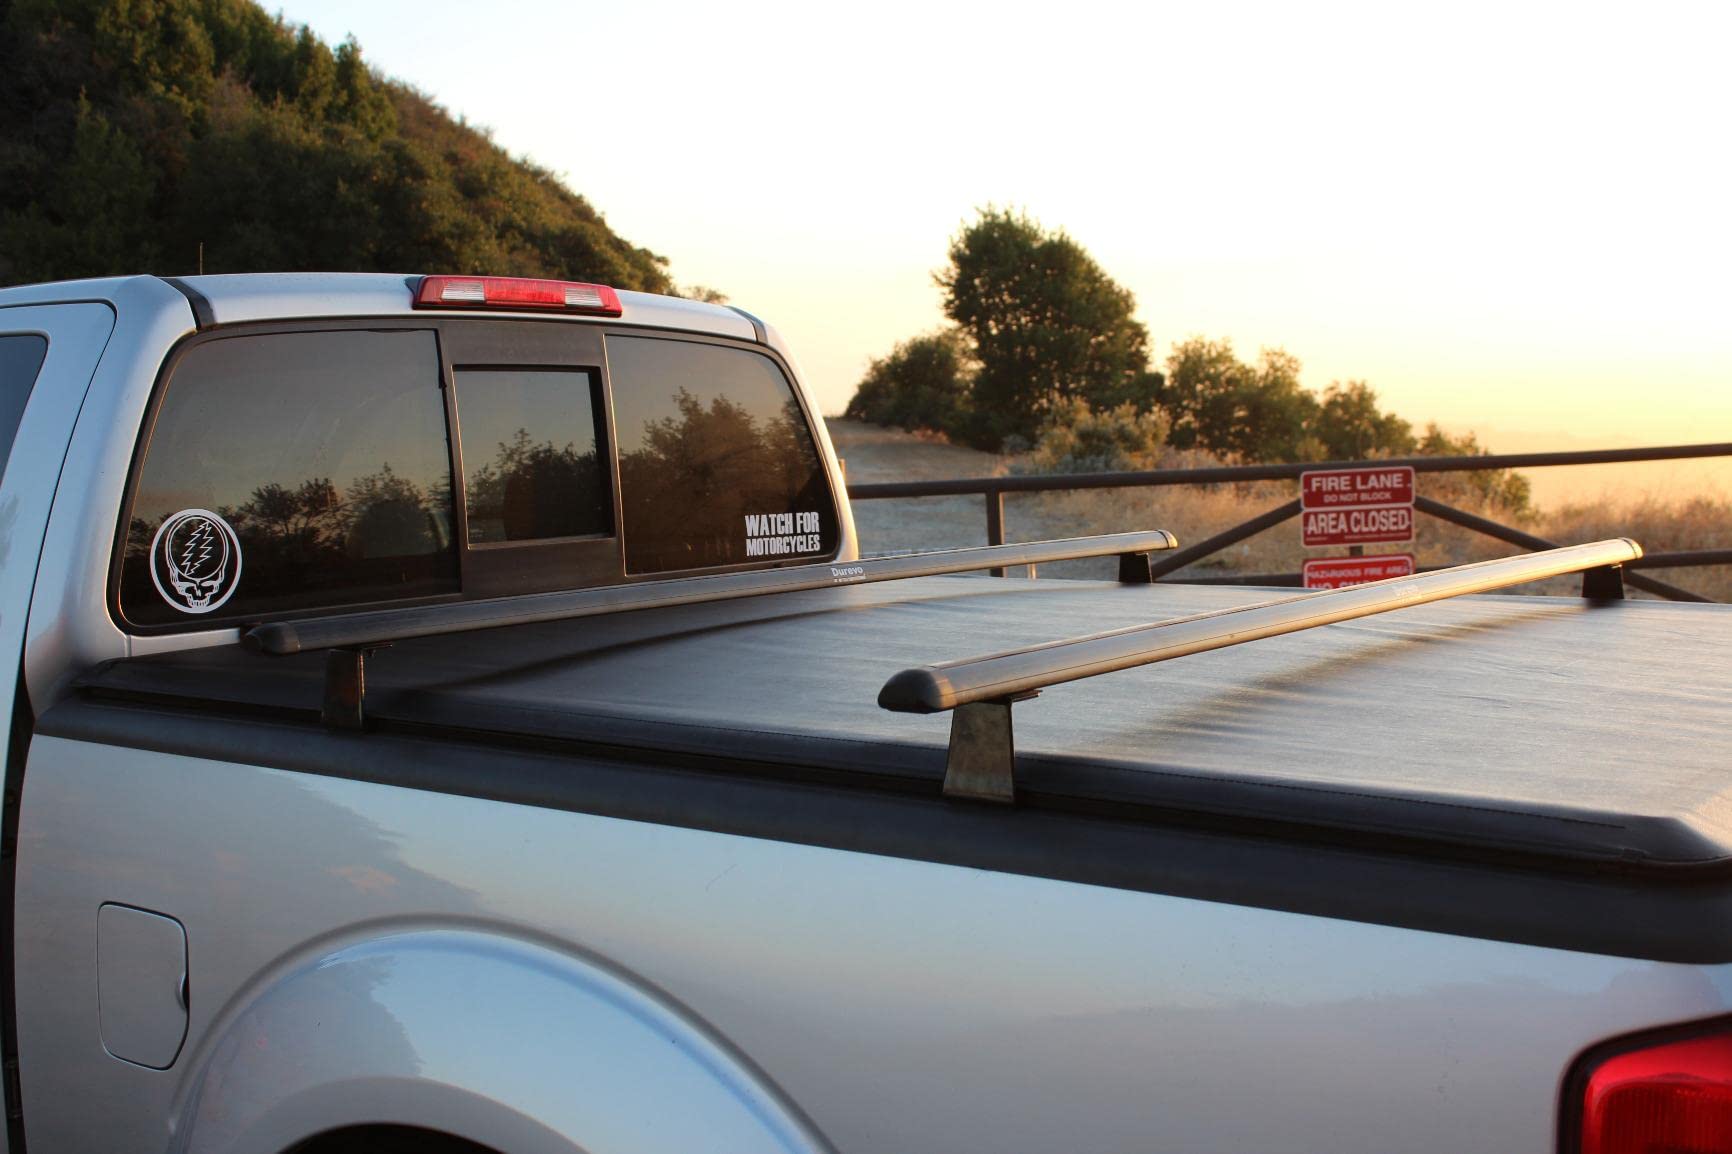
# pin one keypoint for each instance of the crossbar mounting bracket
(344, 706)
(1136, 569)
(1605, 583)
(981, 765)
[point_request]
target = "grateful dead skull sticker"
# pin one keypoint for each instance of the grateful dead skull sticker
(195, 560)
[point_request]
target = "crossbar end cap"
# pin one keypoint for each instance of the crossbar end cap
(919, 690)
(278, 639)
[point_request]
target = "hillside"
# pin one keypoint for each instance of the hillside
(131, 135)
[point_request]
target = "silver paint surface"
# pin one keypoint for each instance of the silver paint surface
(902, 1006)
(77, 334)
(70, 627)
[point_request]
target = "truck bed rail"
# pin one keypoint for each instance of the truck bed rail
(980, 690)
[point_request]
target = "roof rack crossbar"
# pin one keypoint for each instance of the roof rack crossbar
(383, 626)
(980, 690)
(350, 638)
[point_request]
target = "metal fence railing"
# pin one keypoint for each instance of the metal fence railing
(993, 490)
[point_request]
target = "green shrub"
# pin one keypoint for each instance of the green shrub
(1078, 439)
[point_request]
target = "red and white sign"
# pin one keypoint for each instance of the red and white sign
(1371, 487)
(1368, 506)
(1340, 572)
(1357, 526)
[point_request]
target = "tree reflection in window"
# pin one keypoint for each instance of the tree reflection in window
(699, 471)
(379, 530)
(534, 490)
(522, 486)
(327, 454)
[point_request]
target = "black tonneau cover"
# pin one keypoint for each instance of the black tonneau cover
(1528, 725)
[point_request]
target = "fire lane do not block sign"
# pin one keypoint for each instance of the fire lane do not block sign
(1340, 572)
(1356, 488)
(1365, 506)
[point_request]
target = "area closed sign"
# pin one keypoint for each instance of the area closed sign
(1368, 506)
(1338, 572)
(1358, 526)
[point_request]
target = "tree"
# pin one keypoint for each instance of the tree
(922, 384)
(1349, 426)
(1502, 489)
(1217, 402)
(1046, 324)
(136, 136)
(1274, 411)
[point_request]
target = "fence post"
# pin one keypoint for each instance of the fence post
(995, 522)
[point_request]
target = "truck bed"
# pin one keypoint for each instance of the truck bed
(1541, 735)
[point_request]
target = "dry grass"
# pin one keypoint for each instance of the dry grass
(1661, 524)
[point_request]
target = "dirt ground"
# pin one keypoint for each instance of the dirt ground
(872, 454)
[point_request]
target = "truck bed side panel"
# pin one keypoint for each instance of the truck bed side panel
(903, 1005)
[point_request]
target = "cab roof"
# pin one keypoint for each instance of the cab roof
(234, 298)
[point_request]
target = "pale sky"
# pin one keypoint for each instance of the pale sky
(1508, 218)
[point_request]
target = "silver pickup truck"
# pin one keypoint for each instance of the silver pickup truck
(452, 714)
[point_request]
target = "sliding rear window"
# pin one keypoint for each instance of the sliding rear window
(288, 471)
(532, 468)
(717, 465)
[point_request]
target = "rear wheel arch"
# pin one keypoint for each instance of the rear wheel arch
(478, 1043)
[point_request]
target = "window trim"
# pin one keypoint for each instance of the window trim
(540, 564)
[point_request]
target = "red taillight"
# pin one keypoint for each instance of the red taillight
(510, 292)
(1668, 1098)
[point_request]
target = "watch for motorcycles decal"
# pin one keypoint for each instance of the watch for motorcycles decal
(195, 560)
(779, 534)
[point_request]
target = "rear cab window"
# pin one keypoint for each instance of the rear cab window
(716, 460)
(289, 471)
(285, 473)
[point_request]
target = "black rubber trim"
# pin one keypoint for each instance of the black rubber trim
(1573, 1093)
(202, 314)
(1606, 913)
(757, 325)
(23, 725)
